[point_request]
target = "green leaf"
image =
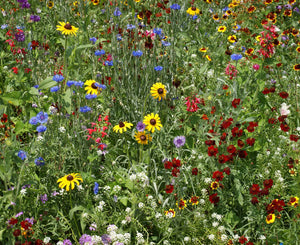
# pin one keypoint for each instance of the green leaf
(47, 83)
(240, 199)
(124, 200)
(12, 98)
(67, 100)
(73, 210)
(34, 91)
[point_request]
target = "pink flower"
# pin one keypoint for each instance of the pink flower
(256, 67)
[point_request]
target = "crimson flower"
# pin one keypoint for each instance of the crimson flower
(242, 154)
(268, 183)
(175, 172)
(254, 189)
(243, 239)
(284, 95)
(284, 127)
(194, 171)
(235, 103)
(212, 151)
(250, 141)
(214, 199)
(241, 144)
(227, 170)
(218, 176)
(169, 189)
(223, 158)
(231, 149)
(294, 137)
(254, 200)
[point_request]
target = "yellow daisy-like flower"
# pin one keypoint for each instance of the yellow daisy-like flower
(222, 29)
(69, 180)
(66, 28)
(294, 201)
(208, 57)
(142, 138)
(193, 11)
(232, 39)
(158, 91)
(270, 218)
(214, 185)
(181, 204)
(257, 38)
(96, 2)
(50, 4)
(122, 127)
(91, 87)
(152, 122)
(203, 50)
(170, 213)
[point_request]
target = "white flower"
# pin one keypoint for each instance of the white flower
(23, 192)
(60, 243)
(112, 228)
(40, 138)
(219, 217)
(128, 210)
(187, 239)
(106, 188)
(262, 237)
(211, 237)
(223, 237)
(158, 215)
(221, 228)
(166, 242)
(284, 109)
(132, 177)
(124, 222)
(116, 188)
(215, 224)
(141, 205)
(236, 236)
(201, 201)
(46, 239)
(79, 187)
(62, 129)
(140, 238)
(207, 181)
(214, 215)
(100, 207)
(170, 230)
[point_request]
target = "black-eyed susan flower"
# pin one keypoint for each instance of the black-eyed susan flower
(296, 67)
(216, 17)
(91, 86)
(50, 4)
(142, 137)
(270, 218)
(222, 29)
(193, 11)
(158, 91)
(66, 28)
(69, 180)
(122, 127)
(152, 122)
(181, 204)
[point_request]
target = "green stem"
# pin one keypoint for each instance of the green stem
(71, 204)
(65, 64)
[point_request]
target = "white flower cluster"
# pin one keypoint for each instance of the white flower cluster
(140, 239)
(117, 237)
(100, 207)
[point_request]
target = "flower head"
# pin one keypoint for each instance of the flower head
(142, 138)
(179, 141)
(158, 91)
(69, 180)
(66, 28)
(22, 154)
(152, 122)
(122, 127)
(140, 126)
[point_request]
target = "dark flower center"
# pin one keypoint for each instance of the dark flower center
(94, 86)
(160, 91)
(121, 124)
(194, 8)
(143, 137)
(152, 121)
(70, 178)
(68, 26)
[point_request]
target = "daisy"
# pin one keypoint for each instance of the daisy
(69, 179)
(158, 91)
(142, 138)
(152, 122)
(122, 127)
(66, 28)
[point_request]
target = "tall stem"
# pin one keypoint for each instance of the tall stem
(65, 63)
(71, 204)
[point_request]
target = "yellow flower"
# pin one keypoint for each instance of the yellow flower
(203, 50)
(122, 127)
(158, 91)
(69, 179)
(208, 57)
(232, 39)
(142, 138)
(50, 4)
(294, 201)
(66, 28)
(170, 213)
(258, 38)
(152, 122)
(96, 2)
(270, 218)
(181, 204)
(193, 11)
(214, 185)
(222, 29)
(91, 87)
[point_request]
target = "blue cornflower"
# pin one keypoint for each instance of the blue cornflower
(157, 31)
(119, 37)
(117, 12)
(140, 126)
(102, 86)
(236, 56)
(158, 68)
(130, 26)
(91, 96)
(93, 39)
(42, 117)
(58, 78)
(109, 63)
(4, 26)
(79, 84)
(85, 109)
(33, 121)
(166, 44)
(70, 83)
(54, 89)
(41, 128)
(137, 53)
(39, 161)
(36, 86)
(175, 6)
(96, 188)
(179, 141)
(194, 17)
(22, 154)
(99, 52)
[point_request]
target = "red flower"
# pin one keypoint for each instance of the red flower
(194, 171)
(17, 232)
(241, 144)
(4, 118)
(236, 132)
(243, 239)
(176, 163)
(226, 170)
(226, 123)
(25, 224)
(284, 127)
(214, 198)
(266, 91)
(218, 176)
(175, 172)
(235, 102)
(212, 151)
(254, 189)
(169, 189)
(250, 141)
(268, 183)
(13, 221)
(284, 95)
(254, 200)
(294, 137)
(243, 154)
(223, 158)
(282, 118)
(249, 243)
(231, 149)
(272, 121)
(15, 70)
(168, 165)
(210, 142)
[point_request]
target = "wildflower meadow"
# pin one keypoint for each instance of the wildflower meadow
(149, 122)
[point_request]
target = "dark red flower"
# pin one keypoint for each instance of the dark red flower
(249, 243)
(194, 171)
(210, 142)
(235, 102)
(263, 192)
(214, 199)
(25, 225)
(241, 144)
(250, 129)
(250, 141)
(268, 183)
(223, 158)
(242, 154)
(227, 170)
(218, 176)
(254, 200)
(284, 127)
(212, 151)
(39, 242)
(175, 172)
(282, 118)
(17, 232)
(168, 165)
(4, 118)
(266, 91)
(284, 95)
(294, 137)
(243, 239)
(13, 221)
(231, 149)
(272, 121)
(226, 123)
(169, 189)
(254, 189)
(176, 163)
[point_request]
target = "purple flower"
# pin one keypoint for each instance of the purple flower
(85, 239)
(42, 117)
(44, 198)
(30, 220)
(18, 214)
(140, 126)
(179, 141)
(67, 242)
(41, 128)
(22, 154)
(106, 239)
(39, 161)
(20, 36)
(35, 18)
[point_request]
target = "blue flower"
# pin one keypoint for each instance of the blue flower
(117, 12)
(109, 63)
(157, 31)
(33, 121)
(54, 89)
(41, 128)
(179, 141)
(4, 26)
(195, 17)
(79, 84)
(39, 161)
(36, 86)
(91, 96)
(138, 53)
(119, 37)
(22, 154)
(225, 9)
(99, 52)
(93, 39)
(58, 78)
(158, 68)
(175, 6)
(102, 86)
(96, 188)
(166, 44)
(236, 56)
(70, 83)
(130, 26)
(85, 109)
(42, 117)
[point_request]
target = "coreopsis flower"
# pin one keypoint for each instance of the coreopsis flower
(194, 200)
(169, 189)
(181, 204)
(66, 28)
(235, 103)
(69, 180)
(214, 199)
(222, 29)
(212, 151)
(122, 127)
(218, 176)
(152, 122)
(142, 137)
(294, 201)
(214, 185)
(170, 213)
(158, 91)
(270, 218)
